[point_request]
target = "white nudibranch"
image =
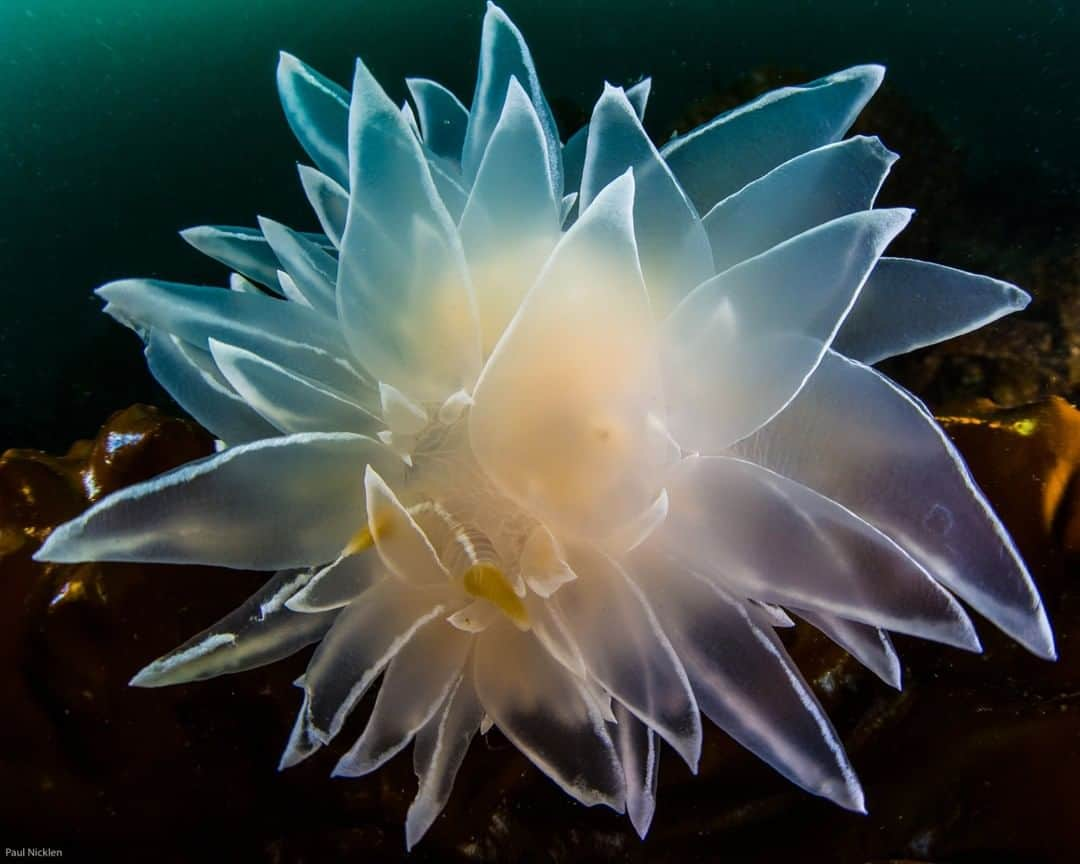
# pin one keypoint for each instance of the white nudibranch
(552, 435)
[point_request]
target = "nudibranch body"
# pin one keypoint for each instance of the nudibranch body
(553, 436)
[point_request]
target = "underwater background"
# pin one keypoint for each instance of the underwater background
(124, 121)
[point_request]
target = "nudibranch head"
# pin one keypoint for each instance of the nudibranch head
(549, 435)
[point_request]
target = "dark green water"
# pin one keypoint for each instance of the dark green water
(122, 121)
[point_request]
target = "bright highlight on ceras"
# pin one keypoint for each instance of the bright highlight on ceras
(552, 436)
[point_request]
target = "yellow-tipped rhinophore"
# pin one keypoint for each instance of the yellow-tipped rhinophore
(365, 538)
(488, 582)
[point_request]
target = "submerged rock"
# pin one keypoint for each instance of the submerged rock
(978, 760)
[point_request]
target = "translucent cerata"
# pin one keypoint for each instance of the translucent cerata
(553, 435)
